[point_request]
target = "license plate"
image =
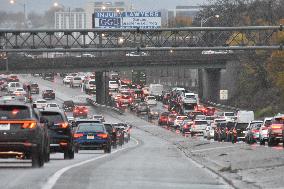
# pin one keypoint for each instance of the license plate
(90, 137)
(4, 127)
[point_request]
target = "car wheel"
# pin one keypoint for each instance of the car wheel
(69, 154)
(37, 157)
(107, 149)
(261, 142)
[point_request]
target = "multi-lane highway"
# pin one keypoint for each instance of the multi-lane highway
(147, 161)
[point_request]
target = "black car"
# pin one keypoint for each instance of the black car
(22, 135)
(68, 106)
(112, 132)
(238, 132)
(48, 76)
(48, 94)
(60, 132)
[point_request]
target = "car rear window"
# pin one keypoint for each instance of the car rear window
(49, 91)
(68, 103)
(229, 114)
(201, 122)
(165, 114)
(52, 105)
(189, 96)
(241, 125)
(87, 127)
(34, 85)
(12, 112)
(151, 98)
(52, 117)
(77, 78)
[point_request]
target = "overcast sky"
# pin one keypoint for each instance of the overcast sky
(42, 5)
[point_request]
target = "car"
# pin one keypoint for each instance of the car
(48, 94)
(52, 106)
(92, 136)
(125, 99)
(163, 119)
(252, 133)
(153, 113)
(22, 135)
(229, 116)
(59, 131)
(275, 130)
(76, 82)
(178, 121)
(40, 104)
(200, 117)
(80, 111)
(198, 126)
(34, 88)
(112, 132)
(12, 86)
(67, 79)
(209, 132)
(239, 131)
(185, 126)
(134, 104)
(89, 86)
(263, 131)
(142, 108)
(20, 92)
(151, 100)
(99, 117)
(12, 78)
(209, 111)
(48, 76)
(68, 106)
(171, 119)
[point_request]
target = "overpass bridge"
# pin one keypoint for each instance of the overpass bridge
(126, 40)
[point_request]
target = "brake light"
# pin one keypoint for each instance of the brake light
(64, 125)
(186, 126)
(29, 125)
(103, 135)
(78, 135)
(255, 131)
(76, 110)
(276, 127)
(86, 110)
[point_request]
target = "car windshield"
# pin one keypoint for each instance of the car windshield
(201, 122)
(52, 117)
(13, 112)
(90, 127)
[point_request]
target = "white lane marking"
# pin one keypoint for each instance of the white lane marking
(208, 149)
(54, 178)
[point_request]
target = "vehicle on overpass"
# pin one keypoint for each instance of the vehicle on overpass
(92, 136)
(26, 136)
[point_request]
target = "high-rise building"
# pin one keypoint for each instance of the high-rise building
(70, 20)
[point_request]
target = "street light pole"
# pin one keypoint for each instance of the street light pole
(24, 8)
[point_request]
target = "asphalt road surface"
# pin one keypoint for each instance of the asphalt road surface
(147, 161)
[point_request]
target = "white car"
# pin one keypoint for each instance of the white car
(198, 127)
(40, 104)
(13, 86)
(67, 79)
(179, 120)
(263, 131)
(89, 86)
(53, 106)
(76, 82)
(20, 92)
(151, 100)
(208, 132)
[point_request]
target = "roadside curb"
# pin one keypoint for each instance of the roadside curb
(95, 104)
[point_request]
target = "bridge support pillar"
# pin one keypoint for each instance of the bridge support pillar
(209, 84)
(102, 91)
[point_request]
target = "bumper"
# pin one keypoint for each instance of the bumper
(48, 96)
(9, 149)
(90, 144)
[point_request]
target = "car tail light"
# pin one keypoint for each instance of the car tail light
(64, 125)
(276, 127)
(76, 110)
(185, 126)
(29, 125)
(86, 110)
(255, 131)
(78, 135)
(103, 135)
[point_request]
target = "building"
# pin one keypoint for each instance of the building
(103, 6)
(70, 20)
(182, 16)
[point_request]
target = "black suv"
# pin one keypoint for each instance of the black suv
(34, 88)
(112, 132)
(68, 105)
(22, 135)
(60, 132)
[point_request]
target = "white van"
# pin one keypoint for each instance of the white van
(245, 116)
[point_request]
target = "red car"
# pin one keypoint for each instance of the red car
(163, 119)
(80, 111)
(209, 111)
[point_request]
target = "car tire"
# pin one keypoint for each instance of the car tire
(76, 149)
(261, 142)
(69, 154)
(37, 158)
(107, 149)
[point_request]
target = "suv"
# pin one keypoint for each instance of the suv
(238, 132)
(68, 106)
(48, 94)
(34, 88)
(90, 86)
(60, 132)
(80, 111)
(263, 130)
(198, 127)
(22, 135)
(76, 82)
(275, 130)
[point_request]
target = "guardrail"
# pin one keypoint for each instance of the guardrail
(94, 103)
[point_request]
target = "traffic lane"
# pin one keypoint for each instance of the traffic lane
(154, 164)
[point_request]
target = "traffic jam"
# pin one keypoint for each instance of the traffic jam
(33, 125)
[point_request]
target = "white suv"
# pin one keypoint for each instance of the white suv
(67, 79)
(76, 82)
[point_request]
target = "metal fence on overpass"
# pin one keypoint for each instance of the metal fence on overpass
(165, 39)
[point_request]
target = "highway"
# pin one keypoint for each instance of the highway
(147, 161)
